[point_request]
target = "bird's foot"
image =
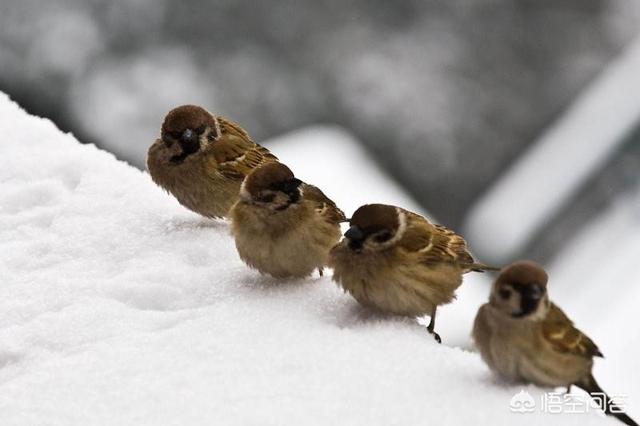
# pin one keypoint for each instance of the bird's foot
(435, 335)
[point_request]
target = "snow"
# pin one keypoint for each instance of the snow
(539, 184)
(118, 306)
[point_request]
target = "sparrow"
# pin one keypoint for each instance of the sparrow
(398, 262)
(282, 226)
(202, 159)
(524, 337)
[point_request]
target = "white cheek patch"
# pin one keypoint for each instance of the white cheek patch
(202, 141)
(542, 310)
(244, 193)
(402, 227)
(217, 125)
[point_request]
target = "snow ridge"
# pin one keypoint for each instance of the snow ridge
(118, 306)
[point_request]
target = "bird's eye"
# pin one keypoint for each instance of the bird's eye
(382, 236)
(199, 130)
(175, 135)
(504, 293)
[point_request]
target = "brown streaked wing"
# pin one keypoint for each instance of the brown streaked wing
(323, 204)
(236, 156)
(559, 331)
(435, 243)
(229, 127)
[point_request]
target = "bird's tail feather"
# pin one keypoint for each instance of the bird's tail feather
(590, 386)
(481, 267)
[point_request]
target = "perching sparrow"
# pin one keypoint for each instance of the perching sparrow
(524, 337)
(282, 226)
(398, 262)
(202, 159)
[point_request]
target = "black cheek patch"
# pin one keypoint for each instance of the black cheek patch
(528, 305)
(294, 196)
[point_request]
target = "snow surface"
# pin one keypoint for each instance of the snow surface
(118, 306)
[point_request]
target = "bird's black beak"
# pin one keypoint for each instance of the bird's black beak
(355, 237)
(189, 141)
(530, 296)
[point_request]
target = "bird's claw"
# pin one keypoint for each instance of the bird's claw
(435, 336)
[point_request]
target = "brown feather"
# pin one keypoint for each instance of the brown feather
(229, 127)
(436, 243)
(280, 235)
(236, 154)
(415, 270)
(560, 332)
(324, 206)
(207, 181)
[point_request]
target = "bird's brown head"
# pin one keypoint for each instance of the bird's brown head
(186, 130)
(520, 291)
(375, 227)
(272, 185)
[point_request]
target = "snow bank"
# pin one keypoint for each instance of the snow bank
(118, 306)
